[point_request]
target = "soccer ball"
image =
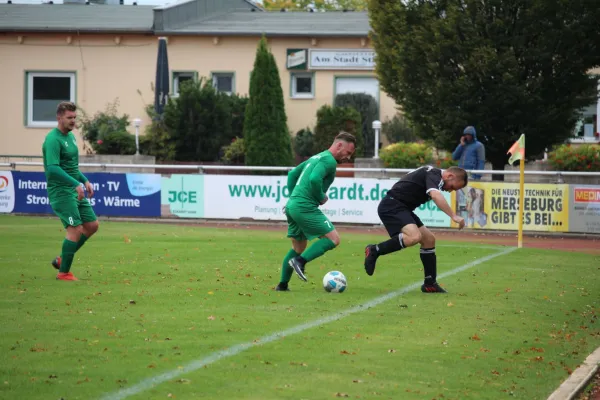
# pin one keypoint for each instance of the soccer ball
(334, 281)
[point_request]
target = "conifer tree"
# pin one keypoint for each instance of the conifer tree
(266, 134)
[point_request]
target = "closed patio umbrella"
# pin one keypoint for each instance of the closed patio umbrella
(161, 91)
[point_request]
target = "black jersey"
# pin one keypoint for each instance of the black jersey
(413, 189)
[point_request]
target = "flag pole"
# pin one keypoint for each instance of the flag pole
(521, 201)
(517, 152)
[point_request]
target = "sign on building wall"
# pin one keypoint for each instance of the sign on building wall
(297, 59)
(487, 205)
(341, 59)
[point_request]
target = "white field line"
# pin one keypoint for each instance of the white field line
(238, 348)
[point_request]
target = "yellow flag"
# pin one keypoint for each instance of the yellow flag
(517, 150)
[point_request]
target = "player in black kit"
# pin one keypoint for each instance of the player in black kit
(396, 211)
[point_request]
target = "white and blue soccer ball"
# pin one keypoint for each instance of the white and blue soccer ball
(334, 281)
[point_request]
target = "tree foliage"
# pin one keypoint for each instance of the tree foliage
(318, 5)
(266, 136)
(505, 66)
(398, 129)
(304, 143)
(199, 121)
(366, 105)
(332, 120)
(157, 140)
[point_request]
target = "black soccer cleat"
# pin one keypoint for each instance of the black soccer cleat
(282, 287)
(298, 264)
(370, 259)
(56, 262)
(433, 288)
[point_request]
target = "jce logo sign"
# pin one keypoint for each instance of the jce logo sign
(182, 197)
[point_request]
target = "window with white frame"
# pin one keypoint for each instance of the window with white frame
(303, 85)
(224, 82)
(179, 78)
(44, 91)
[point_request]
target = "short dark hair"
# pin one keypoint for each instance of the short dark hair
(346, 137)
(65, 106)
(460, 173)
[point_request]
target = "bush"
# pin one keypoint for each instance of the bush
(332, 120)
(397, 130)
(445, 162)
(198, 121)
(304, 143)
(238, 105)
(406, 155)
(571, 158)
(103, 127)
(367, 107)
(234, 153)
(157, 140)
(116, 142)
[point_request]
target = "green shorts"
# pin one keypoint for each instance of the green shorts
(306, 223)
(73, 212)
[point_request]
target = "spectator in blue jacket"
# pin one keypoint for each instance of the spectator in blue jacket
(470, 152)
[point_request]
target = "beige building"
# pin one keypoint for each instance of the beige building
(96, 54)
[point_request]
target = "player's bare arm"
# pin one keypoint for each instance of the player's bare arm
(440, 201)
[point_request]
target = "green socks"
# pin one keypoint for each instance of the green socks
(318, 249)
(81, 242)
(68, 252)
(286, 270)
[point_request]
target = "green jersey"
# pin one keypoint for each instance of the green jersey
(308, 182)
(61, 150)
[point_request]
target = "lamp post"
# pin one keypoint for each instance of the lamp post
(137, 122)
(376, 128)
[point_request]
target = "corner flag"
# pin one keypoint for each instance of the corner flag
(517, 150)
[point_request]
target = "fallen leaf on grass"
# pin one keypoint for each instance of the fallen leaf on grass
(450, 304)
(391, 351)
(342, 395)
(475, 337)
(211, 318)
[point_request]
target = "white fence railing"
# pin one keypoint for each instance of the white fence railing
(201, 168)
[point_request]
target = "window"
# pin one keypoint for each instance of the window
(352, 84)
(303, 86)
(179, 78)
(224, 81)
(44, 91)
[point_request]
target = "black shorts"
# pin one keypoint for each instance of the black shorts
(396, 215)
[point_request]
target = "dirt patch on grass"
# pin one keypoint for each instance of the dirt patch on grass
(582, 243)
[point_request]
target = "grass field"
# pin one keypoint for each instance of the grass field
(183, 312)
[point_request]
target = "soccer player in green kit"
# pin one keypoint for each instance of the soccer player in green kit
(308, 184)
(65, 191)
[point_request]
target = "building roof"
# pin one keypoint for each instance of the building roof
(185, 18)
(247, 23)
(76, 17)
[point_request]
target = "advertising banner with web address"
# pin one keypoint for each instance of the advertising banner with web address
(351, 200)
